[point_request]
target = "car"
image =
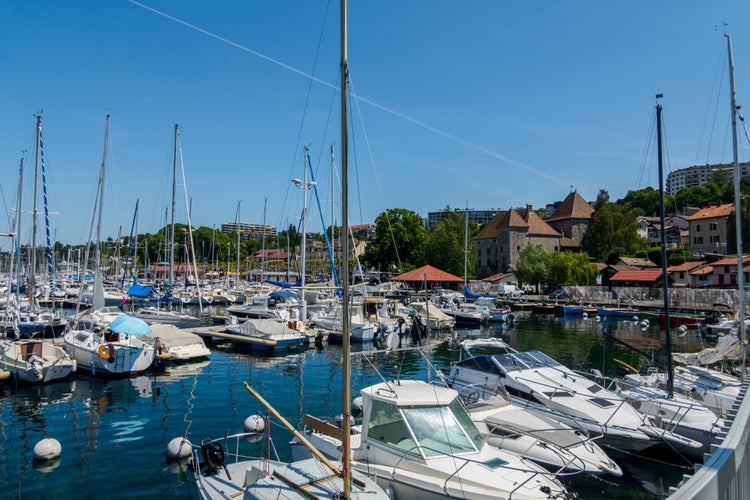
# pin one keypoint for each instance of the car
(558, 294)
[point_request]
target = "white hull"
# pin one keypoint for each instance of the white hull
(36, 361)
(96, 356)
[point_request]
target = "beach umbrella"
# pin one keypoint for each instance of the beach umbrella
(129, 325)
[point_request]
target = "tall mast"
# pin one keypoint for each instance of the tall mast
(237, 220)
(346, 362)
(32, 282)
(664, 277)
(174, 187)
(737, 205)
(17, 231)
(102, 174)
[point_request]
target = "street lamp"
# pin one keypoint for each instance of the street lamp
(304, 186)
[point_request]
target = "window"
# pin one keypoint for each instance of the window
(387, 426)
(697, 228)
(714, 226)
(715, 238)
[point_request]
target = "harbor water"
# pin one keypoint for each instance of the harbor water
(114, 433)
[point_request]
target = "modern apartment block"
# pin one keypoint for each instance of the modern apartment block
(698, 175)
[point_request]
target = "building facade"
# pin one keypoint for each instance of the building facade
(698, 175)
(481, 217)
(248, 231)
(709, 230)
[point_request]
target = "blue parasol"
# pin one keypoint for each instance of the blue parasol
(129, 325)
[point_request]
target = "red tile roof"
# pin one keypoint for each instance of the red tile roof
(645, 275)
(432, 273)
(685, 266)
(713, 212)
(732, 261)
(573, 207)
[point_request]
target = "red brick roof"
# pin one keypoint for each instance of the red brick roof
(489, 231)
(732, 261)
(685, 266)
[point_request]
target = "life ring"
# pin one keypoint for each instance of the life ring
(106, 351)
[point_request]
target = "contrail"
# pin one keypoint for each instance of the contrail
(457, 140)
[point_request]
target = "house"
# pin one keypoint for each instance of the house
(702, 276)
(498, 244)
(709, 231)
(725, 271)
(680, 274)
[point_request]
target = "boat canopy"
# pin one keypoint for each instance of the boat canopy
(283, 295)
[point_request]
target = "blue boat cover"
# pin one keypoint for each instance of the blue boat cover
(283, 295)
(137, 290)
(284, 285)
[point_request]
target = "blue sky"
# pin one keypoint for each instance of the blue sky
(490, 104)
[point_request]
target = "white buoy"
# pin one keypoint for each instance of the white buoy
(644, 323)
(179, 447)
(47, 449)
(636, 318)
(598, 318)
(357, 404)
(681, 330)
(254, 423)
(585, 315)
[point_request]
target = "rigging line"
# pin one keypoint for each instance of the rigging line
(719, 73)
(475, 147)
(374, 170)
(716, 114)
(644, 155)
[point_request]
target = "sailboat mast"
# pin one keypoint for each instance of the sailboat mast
(737, 205)
(32, 282)
(237, 220)
(664, 277)
(98, 253)
(346, 362)
(17, 230)
(174, 187)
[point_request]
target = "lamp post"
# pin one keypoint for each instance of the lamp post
(304, 186)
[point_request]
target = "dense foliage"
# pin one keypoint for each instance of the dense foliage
(532, 265)
(445, 246)
(398, 242)
(614, 230)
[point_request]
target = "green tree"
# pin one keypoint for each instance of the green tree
(571, 269)
(614, 230)
(445, 244)
(532, 265)
(399, 240)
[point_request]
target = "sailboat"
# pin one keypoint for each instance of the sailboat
(107, 351)
(304, 479)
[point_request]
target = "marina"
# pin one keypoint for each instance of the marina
(112, 429)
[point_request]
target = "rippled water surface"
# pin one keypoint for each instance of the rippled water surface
(114, 432)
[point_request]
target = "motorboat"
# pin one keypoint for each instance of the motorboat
(118, 350)
(502, 314)
(35, 360)
(269, 335)
(361, 329)
(536, 381)
(680, 414)
(279, 305)
(536, 436)
(177, 345)
(417, 440)
(152, 315)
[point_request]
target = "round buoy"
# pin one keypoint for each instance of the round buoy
(681, 330)
(585, 315)
(179, 447)
(636, 318)
(47, 449)
(357, 404)
(254, 423)
(598, 318)
(4, 374)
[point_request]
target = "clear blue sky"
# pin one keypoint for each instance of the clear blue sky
(493, 104)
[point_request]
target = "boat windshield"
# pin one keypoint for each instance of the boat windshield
(443, 430)
(525, 360)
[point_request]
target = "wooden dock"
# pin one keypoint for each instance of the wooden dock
(220, 331)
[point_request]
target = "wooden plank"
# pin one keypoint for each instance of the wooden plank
(318, 425)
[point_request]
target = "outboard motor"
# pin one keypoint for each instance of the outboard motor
(213, 457)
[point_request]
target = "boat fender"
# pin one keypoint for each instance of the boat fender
(158, 345)
(106, 351)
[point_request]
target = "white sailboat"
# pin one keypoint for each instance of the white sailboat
(107, 351)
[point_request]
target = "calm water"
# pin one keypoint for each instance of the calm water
(114, 432)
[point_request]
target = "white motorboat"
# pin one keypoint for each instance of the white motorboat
(361, 329)
(36, 360)
(418, 441)
(535, 380)
(152, 315)
(175, 344)
(279, 305)
(502, 314)
(535, 436)
(120, 350)
(678, 414)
